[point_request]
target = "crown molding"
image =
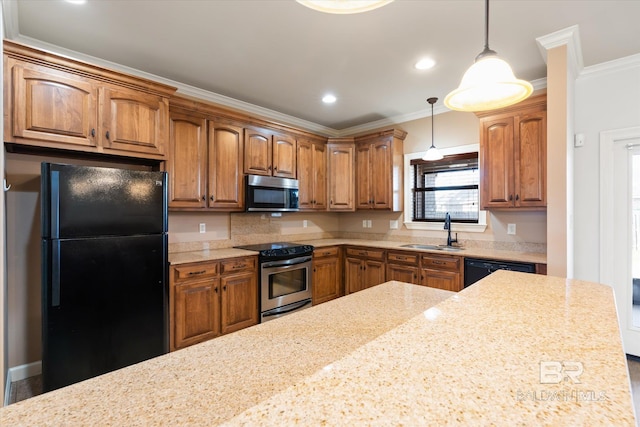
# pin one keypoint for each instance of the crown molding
(569, 37)
(10, 18)
(632, 61)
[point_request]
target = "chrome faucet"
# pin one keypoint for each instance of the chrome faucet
(447, 226)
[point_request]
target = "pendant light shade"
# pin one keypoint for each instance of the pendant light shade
(343, 6)
(432, 153)
(489, 83)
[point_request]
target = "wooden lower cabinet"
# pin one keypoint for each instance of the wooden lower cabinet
(326, 282)
(364, 268)
(403, 267)
(208, 299)
(442, 272)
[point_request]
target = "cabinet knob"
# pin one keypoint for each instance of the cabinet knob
(204, 198)
(510, 197)
(212, 198)
(517, 197)
(215, 289)
(275, 168)
(269, 168)
(224, 288)
(107, 135)
(93, 132)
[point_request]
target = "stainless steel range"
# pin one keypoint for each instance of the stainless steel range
(285, 278)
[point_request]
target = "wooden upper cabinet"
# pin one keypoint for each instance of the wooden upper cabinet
(269, 154)
(284, 156)
(341, 171)
(513, 156)
(312, 173)
(187, 162)
(59, 103)
(133, 121)
(225, 167)
(53, 106)
(257, 152)
(379, 170)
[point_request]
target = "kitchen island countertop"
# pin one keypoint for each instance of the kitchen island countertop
(392, 354)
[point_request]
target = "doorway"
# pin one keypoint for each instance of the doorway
(620, 228)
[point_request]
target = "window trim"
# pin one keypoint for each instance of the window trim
(480, 227)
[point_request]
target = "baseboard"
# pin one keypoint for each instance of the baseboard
(18, 373)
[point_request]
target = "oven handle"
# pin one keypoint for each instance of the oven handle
(297, 307)
(286, 262)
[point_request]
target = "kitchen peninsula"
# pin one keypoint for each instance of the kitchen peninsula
(392, 354)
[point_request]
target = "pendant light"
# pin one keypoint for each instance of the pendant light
(343, 6)
(489, 83)
(432, 153)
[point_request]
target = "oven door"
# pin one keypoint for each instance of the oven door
(285, 282)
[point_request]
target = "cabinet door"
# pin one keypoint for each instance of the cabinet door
(326, 280)
(284, 156)
(364, 199)
(374, 273)
(53, 106)
(403, 273)
(225, 167)
(531, 161)
(496, 163)
(306, 174)
(320, 176)
(447, 280)
(186, 164)
(381, 176)
(239, 303)
(196, 312)
(133, 121)
(341, 177)
(353, 274)
(257, 152)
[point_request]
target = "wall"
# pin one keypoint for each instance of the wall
(607, 98)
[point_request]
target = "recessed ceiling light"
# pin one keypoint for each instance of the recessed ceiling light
(76, 1)
(425, 64)
(329, 99)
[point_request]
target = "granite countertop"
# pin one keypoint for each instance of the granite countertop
(392, 354)
(214, 254)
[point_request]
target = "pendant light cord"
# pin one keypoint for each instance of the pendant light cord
(432, 146)
(486, 51)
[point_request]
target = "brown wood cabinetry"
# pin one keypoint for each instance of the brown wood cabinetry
(327, 281)
(211, 298)
(379, 170)
(403, 266)
(269, 154)
(442, 272)
(205, 163)
(513, 155)
(364, 267)
(341, 174)
(57, 103)
(312, 175)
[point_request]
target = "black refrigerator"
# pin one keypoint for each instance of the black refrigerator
(104, 270)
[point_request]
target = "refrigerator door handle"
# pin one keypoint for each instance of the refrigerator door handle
(55, 205)
(55, 273)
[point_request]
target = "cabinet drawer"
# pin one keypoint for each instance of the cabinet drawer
(193, 271)
(403, 258)
(441, 262)
(234, 265)
(326, 252)
(366, 253)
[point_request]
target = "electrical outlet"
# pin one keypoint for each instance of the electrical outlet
(304, 223)
(364, 223)
(511, 229)
(203, 227)
(393, 224)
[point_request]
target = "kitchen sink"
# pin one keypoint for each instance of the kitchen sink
(432, 247)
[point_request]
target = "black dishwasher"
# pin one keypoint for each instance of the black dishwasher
(476, 269)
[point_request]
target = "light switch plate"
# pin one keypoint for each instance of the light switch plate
(511, 229)
(364, 223)
(368, 223)
(203, 227)
(304, 223)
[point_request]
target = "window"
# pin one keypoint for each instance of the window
(447, 185)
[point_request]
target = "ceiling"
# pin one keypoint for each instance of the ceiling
(284, 57)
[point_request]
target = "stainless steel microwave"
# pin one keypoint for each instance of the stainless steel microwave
(271, 194)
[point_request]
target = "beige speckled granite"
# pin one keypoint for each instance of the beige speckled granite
(475, 359)
(211, 382)
(213, 254)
